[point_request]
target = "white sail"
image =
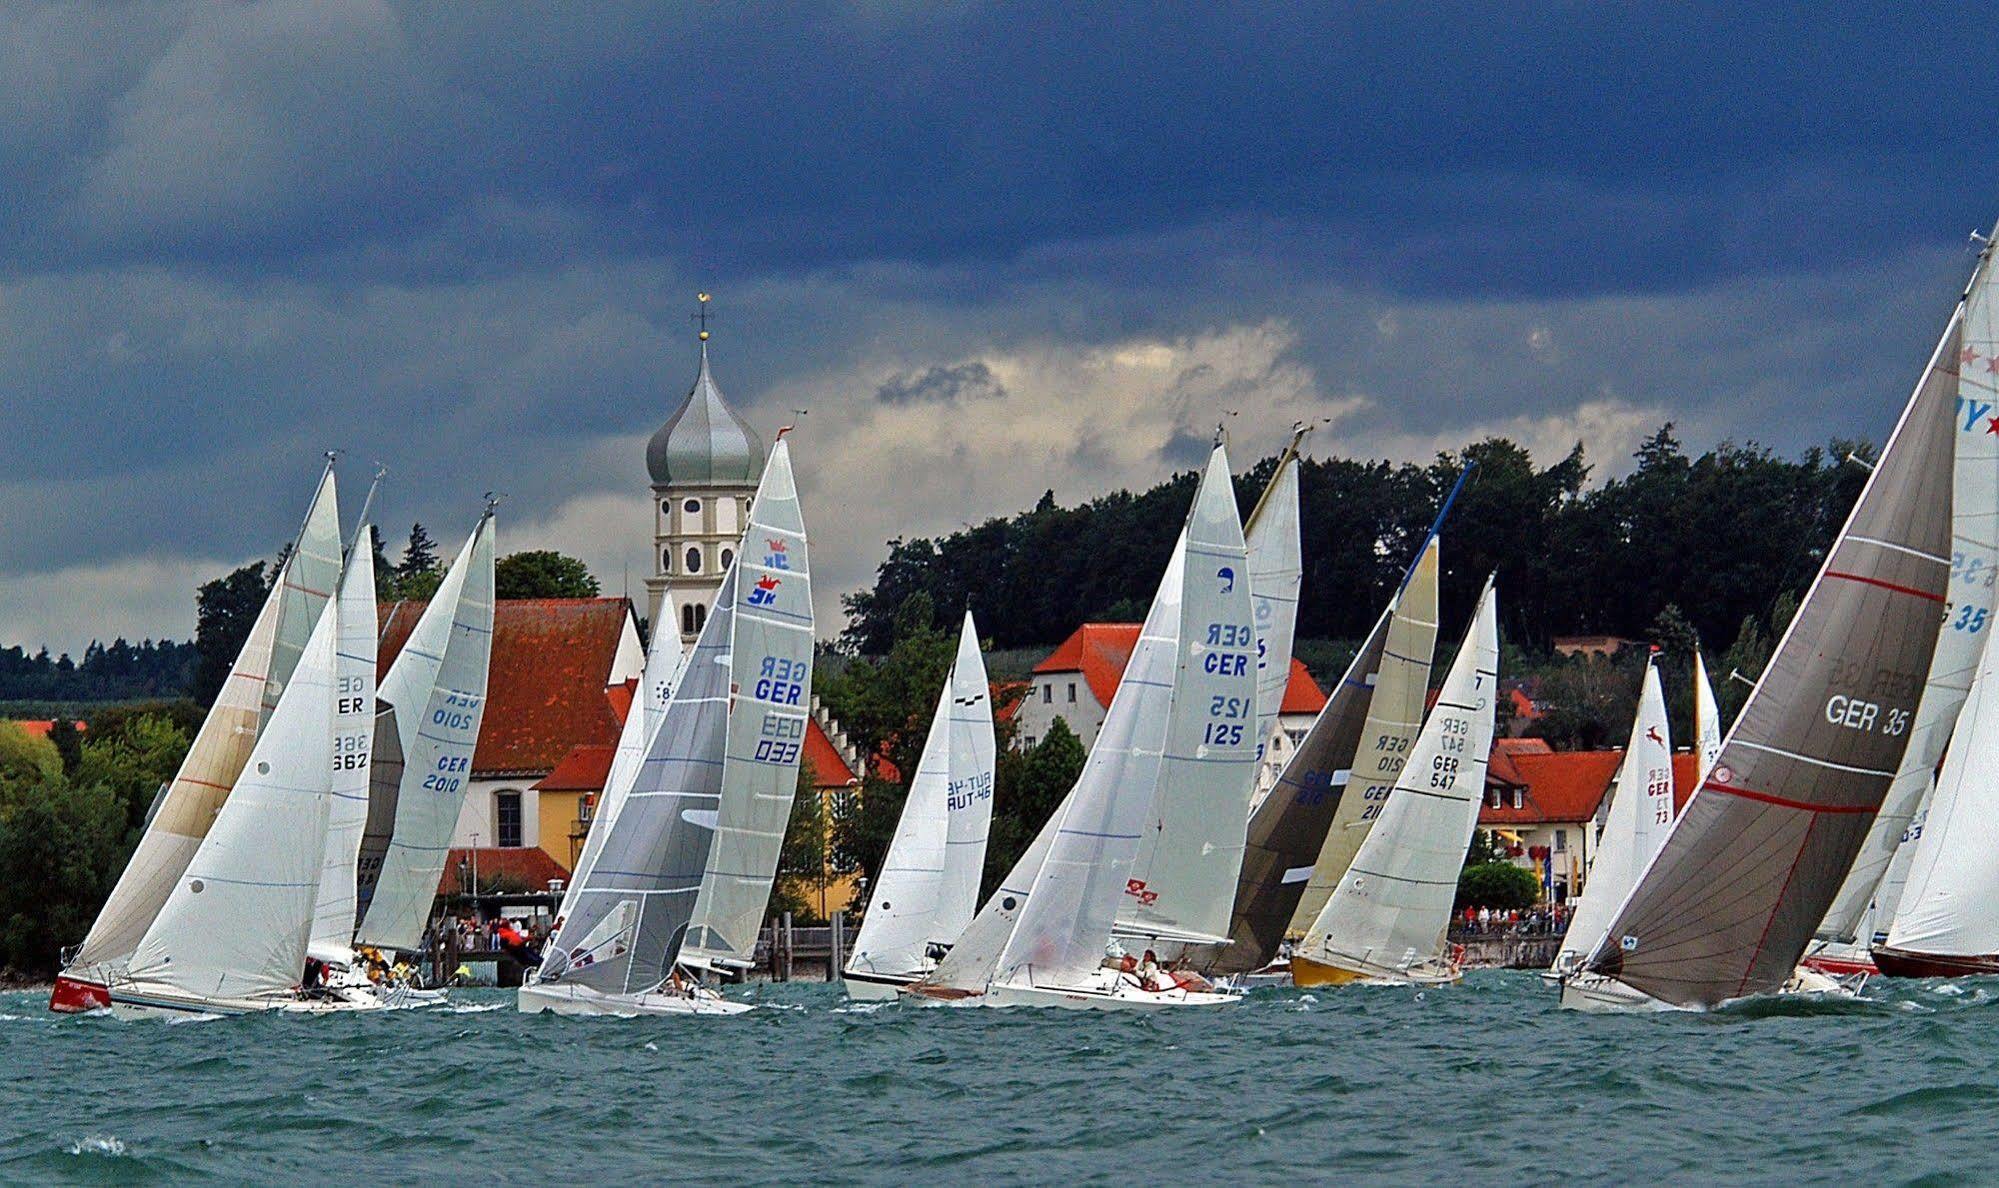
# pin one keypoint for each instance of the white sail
(1186, 704)
(1641, 814)
(236, 923)
(222, 745)
(1389, 914)
(1707, 721)
(1963, 632)
(929, 884)
(353, 741)
(771, 656)
(969, 967)
(1394, 716)
(437, 700)
(1276, 570)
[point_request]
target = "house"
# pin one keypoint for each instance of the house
(1078, 679)
(555, 663)
(1545, 807)
(1591, 645)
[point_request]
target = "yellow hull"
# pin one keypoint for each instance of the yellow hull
(1311, 973)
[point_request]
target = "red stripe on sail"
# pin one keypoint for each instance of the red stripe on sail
(1771, 919)
(1854, 577)
(1786, 802)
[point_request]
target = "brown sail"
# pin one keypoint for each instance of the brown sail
(1729, 903)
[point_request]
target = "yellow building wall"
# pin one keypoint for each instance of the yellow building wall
(557, 823)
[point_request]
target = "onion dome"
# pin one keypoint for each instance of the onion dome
(705, 441)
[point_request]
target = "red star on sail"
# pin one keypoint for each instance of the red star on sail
(1992, 426)
(1992, 364)
(1967, 355)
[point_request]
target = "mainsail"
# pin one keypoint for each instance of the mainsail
(768, 719)
(353, 738)
(1185, 703)
(929, 884)
(1961, 637)
(1276, 569)
(1394, 715)
(1641, 812)
(438, 698)
(236, 923)
(1727, 905)
(184, 813)
(632, 893)
(1390, 911)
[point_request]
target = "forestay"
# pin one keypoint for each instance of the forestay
(222, 745)
(631, 895)
(1065, 922)
(1394, 716)
(1641, 813)
(929, 883)
(1390, 912)
(772, 648)
(438, 699)
(353, 738)
(1729, 903)
(235, 925)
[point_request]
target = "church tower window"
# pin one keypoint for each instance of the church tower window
(693, 560)
(728, 558)
(666, 560)
(692, 507)
(687, 619)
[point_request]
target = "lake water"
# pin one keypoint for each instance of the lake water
(1487, 1081)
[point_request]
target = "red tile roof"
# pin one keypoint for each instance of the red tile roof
(529, 866)
(40, 727)
(829, 770)
(1101, 650)
(1564, 786)
(583, 769)
(551, 660)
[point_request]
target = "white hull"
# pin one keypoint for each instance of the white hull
(874, 987)
(559, 999)
(132, 1005)
(1115, 994)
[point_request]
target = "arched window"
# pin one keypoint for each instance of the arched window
(693, 560)
(700, 616)
(728, 558)
(687, 626)
(666, 560)
(665, 507)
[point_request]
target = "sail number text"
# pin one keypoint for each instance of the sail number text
(1866, 716)
(1227, 654)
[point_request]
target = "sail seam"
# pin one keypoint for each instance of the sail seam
(1786, 802)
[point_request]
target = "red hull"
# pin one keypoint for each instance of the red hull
(1900, 963)
(73, 997)
(1840, 967)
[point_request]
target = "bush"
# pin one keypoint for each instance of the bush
(62, 848)
(1501, 886)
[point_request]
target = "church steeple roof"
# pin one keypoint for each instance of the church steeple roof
(705, 441)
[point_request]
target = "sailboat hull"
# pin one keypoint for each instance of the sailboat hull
(1905, 963)
(1586, 991)
(1841, 961)
(559, 999)
(876, 987)
(1309, 974)
(1121, 997)
(153, 1004)
(74, 996)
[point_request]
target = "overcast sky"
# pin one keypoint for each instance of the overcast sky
(992, 250)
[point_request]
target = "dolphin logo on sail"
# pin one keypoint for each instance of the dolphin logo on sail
(1227, 575)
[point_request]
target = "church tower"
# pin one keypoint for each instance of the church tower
(704, 462)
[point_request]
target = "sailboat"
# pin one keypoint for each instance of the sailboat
(1330, 791)
(182, 814)
(1727, 906)
(433, 698)
(233, 936)
(1386, 920)
(929, 885)
(1641, 812)
(1179, 722)
(728, 738)
(1869, 899)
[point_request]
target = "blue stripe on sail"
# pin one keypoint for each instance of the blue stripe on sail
(351, 656)
(424, 654)
(687, 759)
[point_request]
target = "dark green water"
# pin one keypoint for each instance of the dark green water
(1483, 1082)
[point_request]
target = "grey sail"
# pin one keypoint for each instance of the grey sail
(385, 780)
(1726, 907)
(630, 900)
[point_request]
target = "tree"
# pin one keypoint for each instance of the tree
(1501, 886)
(67, 740)
(131, 762)
(1028, 789)
(801, 859)
(419, 554)
(225, 610)
(27, 761)
(61, 848)
(543, 574)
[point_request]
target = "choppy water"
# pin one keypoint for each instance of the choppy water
(1485, 1082)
